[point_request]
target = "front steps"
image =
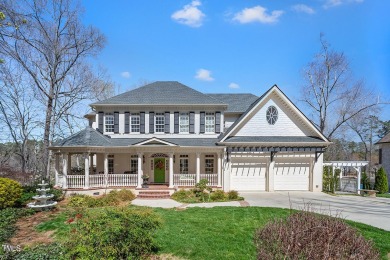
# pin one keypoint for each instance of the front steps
(153, 194)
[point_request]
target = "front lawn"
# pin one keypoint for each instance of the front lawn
(216, 233)
(385, 195)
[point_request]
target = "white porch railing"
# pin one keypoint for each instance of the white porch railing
(190, 179)
(75, 181)
(211, 177)
(122, 180)
(184, 179)
(99, 180)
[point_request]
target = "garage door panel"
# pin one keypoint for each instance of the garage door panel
(291, 176)
(247, 176)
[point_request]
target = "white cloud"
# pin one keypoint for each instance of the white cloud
(204, 75)
(234, 85)
(190, 15)
(301, 8)
(257, 14)
(126, 74)
(334, 3)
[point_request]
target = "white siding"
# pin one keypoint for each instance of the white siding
(229, 120)
(286, 125)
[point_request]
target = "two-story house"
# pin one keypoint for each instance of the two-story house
(177, 136)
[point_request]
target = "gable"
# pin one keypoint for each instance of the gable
(155, 141)
(287, 124)
(291, 121)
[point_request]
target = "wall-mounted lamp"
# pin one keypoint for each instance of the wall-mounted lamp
(174, 158)
(143, 158)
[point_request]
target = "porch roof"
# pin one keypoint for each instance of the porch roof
(92, 137)
(274, 139)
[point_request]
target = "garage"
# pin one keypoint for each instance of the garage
(247, 174)
(291, 176)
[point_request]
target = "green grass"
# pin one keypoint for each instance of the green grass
(386, 195)
(216, 233)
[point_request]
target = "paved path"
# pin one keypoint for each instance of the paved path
(371, 211)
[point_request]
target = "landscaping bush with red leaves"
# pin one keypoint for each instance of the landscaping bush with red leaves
(307, 235)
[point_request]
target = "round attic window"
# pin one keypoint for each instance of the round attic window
(272, 115)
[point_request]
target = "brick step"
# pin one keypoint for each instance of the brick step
(153, 195)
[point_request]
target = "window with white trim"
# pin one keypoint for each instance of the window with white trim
(210, 123)
(134, 164)
(111, 164)
(134, 123)
(183, 164)
(209, 164)
(159, 123)
(109, 122)
(184, 123)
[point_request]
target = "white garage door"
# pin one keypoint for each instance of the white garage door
(247, 175)
(291, 176)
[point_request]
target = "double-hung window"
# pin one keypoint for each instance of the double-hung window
(134, 123)
(109, 122)
(210, 123)
(184, 123)
(134, 164)
(111, 164)
(159, 123)
(183, 164)
(209, 164)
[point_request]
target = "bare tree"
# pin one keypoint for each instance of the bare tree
(331, 93)
(51, 47)
(17, 112)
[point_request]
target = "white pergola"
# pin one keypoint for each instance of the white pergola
(357, 165)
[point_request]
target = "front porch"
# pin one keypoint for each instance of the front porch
(119, 169)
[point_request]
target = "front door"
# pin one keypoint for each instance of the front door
(159, 170)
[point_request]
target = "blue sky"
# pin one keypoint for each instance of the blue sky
(239, 46)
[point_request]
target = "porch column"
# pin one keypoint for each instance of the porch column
(56, 168)
(219, 170)
(106, 169)
(270, 174)
(171, 170)
(65, 170)
(197, 167)
(86, 170)
(311, 169)
(358, 169)
(91, 163)
(140, 173)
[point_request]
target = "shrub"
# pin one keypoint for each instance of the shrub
(113, 233)
(365, 181)
(113, 198)
(125, 195)
(84, 201)
(10, 192)
(232, 195)
(8, 218)
(329, 181)
(218, 195)
(201, 187)
(306, 235)
(381, 183)
(186, 196)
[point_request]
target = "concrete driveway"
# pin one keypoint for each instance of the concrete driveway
(371, 211)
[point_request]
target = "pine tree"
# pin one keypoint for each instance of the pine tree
(381, 184)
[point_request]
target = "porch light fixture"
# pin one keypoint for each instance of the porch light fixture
(143, 158)
(174, 158)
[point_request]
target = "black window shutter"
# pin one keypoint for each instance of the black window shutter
(142, 122)
(167, 119)
(380, 156)
(192, 122)
(127, 122)
(217, 122)
(202, 115)
(101, 123)
(116, 122)
(176, 118)
(151, 122)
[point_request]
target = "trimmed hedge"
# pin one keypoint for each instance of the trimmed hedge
(381, 183)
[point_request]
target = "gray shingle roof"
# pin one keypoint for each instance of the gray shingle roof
(92, 137)
(385, 139)
(237, 103)
(274, 139)
(86, 137)
(161, 93)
